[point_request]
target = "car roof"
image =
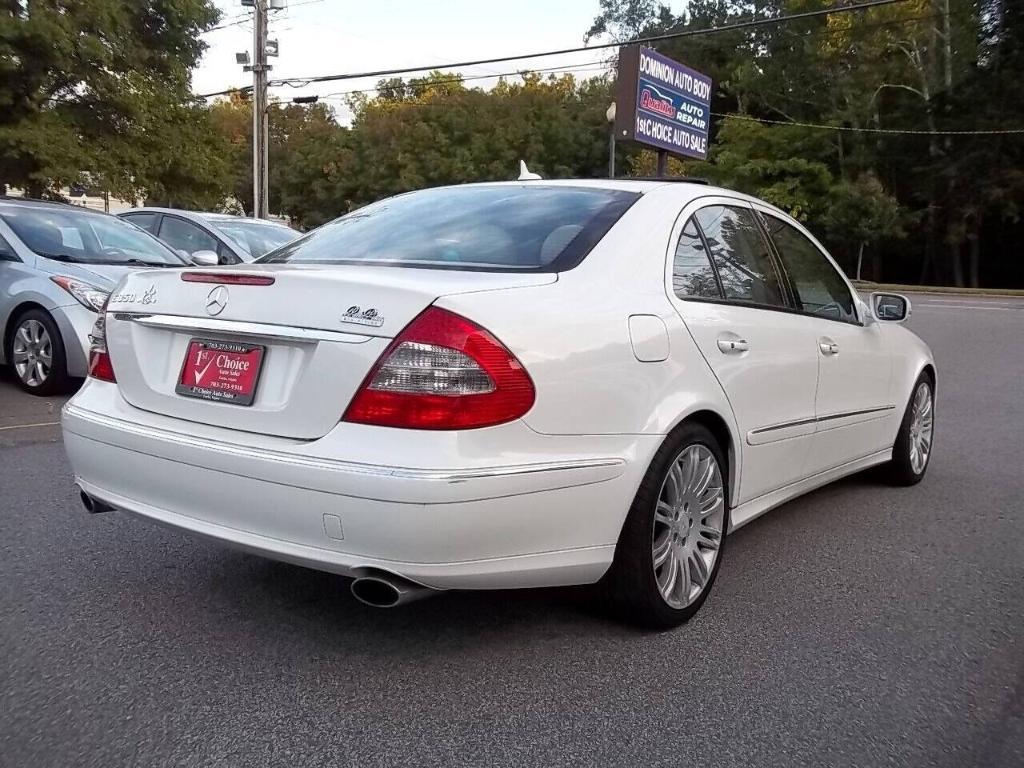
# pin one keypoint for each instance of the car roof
(685, 189)
(205, 216)
(32, 203)
(684, 186)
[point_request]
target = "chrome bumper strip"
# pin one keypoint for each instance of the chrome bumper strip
(241, 328)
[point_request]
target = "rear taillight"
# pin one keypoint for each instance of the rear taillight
(443, 372)
(100, 366)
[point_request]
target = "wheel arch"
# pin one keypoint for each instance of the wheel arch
(12, 320)
(720, 429)
(929, 371)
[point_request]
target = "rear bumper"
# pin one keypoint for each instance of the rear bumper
(458, 524)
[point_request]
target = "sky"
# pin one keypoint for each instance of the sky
(320, 37)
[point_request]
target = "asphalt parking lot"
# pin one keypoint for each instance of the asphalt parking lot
(859, 625)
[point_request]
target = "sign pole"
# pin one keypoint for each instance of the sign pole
(611, 153)
(662, 164)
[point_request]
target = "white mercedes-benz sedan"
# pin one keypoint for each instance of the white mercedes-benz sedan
(503, 385)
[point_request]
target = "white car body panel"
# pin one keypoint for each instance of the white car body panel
(617, 361)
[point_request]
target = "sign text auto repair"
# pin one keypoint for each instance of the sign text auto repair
(662, 103)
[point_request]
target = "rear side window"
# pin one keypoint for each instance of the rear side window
(145, 220)
(185, 236)
(526, 227)
(740, 255)
(692, 273)
(819, 288)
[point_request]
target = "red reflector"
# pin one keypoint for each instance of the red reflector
(443, 372)
(100, 366)
(226, 279)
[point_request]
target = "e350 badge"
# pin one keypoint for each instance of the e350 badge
(359, 316)
(127, 297)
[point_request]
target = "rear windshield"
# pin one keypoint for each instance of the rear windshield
(507, 227)
(255, 238)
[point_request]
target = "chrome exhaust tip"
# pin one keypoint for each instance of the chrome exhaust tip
(383, 590)
(94, 506)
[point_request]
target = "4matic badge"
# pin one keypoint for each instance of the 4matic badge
(359, 316)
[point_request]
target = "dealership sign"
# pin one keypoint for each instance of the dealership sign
(661, 103)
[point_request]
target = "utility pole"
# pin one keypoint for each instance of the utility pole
(260, 186)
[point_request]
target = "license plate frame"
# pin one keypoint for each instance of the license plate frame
(223, 375)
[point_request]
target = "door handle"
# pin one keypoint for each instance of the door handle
(828, 347)
(733, 346)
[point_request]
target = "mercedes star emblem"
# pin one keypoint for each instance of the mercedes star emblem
(216, 300)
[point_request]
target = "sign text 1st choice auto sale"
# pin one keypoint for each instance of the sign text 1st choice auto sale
(661, 103)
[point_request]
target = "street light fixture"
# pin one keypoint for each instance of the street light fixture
(610, 114)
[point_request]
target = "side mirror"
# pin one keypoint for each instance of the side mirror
(205, 258)
(890, 307)
(7, 255)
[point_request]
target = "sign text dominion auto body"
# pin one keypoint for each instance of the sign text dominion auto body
(662, 103)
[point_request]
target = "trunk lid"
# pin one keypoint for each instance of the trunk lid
(321, 329)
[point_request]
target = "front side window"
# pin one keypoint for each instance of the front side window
(692, 273)
(66, 234)
(185, 236)
(819, 288)
(519, 227)
(740, 255)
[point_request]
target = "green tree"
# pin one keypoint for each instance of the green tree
(863, 214)
(302, 140)
(103, 87)
(433, 130)
(923, 66)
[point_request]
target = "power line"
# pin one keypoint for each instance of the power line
(651, 39)
(567, 69)
(852, 129)
(232, 21)
(578, 49)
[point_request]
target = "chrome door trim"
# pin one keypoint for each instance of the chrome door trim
(754, 434)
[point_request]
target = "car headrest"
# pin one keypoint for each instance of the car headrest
(558, 241)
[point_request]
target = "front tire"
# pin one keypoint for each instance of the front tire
(37, 354)
(912, 450)
(671, 545)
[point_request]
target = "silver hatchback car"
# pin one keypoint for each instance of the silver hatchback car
(58, 264)
(232, 239)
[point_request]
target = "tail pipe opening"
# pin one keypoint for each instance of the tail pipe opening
(385, 590)
(93, 505)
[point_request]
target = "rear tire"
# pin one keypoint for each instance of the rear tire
(912, 451)
(680, 515)
(36, 352)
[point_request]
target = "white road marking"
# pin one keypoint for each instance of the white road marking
(29, 426)
(968, 303)
(918, 306)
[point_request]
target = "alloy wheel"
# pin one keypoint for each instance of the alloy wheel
(32, 353)
(688, 526)
(921, 428)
